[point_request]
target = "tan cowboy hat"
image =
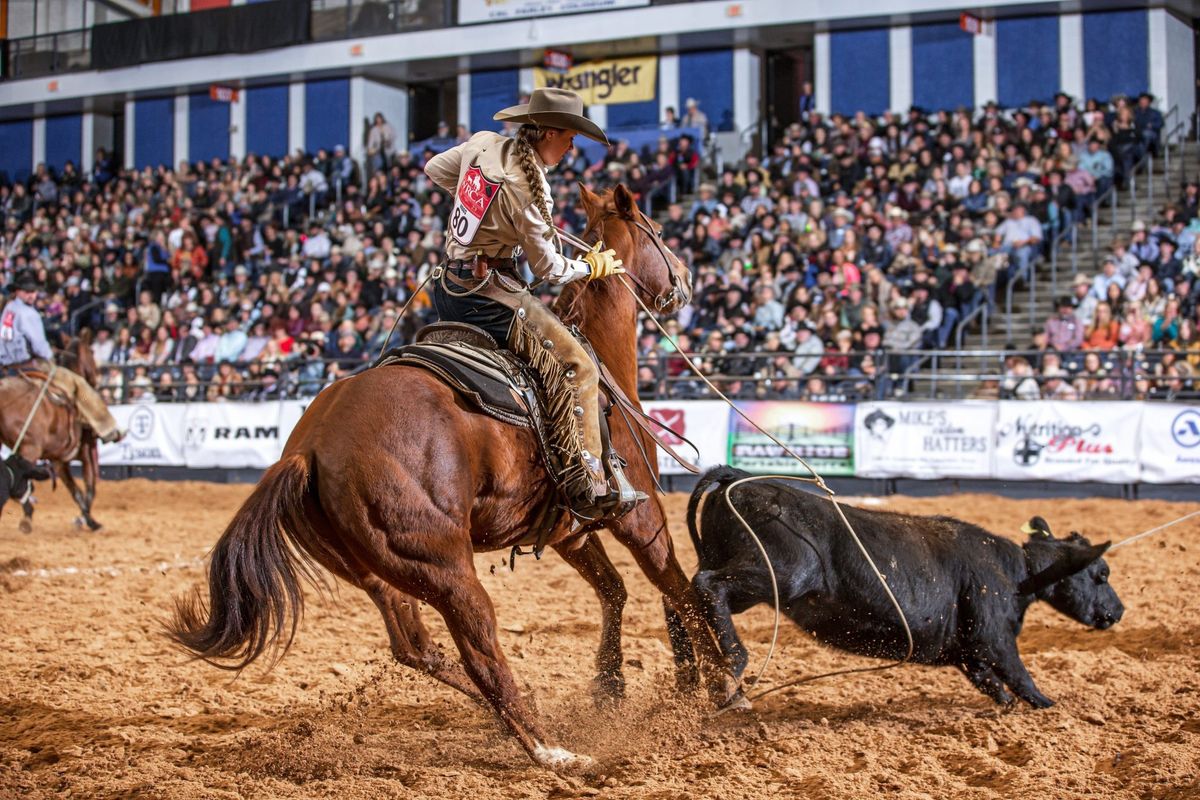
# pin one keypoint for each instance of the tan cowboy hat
(554, 108)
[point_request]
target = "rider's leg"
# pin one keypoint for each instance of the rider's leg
(90, 405)
(572, 381)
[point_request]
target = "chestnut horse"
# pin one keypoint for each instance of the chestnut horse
(391, 481)
(55, 433)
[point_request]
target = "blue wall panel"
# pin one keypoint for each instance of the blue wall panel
(154, 132)
(267, 120)
(1115, 53)
(860, 71)
(1027, 60)
(64, 140)
(327, 114)
(208, 128)
(708, 77)
(492, 90)
(633, 115)
(16, 150)
(943, 65)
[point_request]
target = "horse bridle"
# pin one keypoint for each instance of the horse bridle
(675, 297)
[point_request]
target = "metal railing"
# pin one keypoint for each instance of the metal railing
(48, 54)
(347, 19)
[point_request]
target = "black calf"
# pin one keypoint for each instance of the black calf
(964, 591)
(16, 477)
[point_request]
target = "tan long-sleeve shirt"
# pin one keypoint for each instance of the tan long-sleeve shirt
(511, 218)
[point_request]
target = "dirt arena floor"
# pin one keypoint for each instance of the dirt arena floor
(94, 703)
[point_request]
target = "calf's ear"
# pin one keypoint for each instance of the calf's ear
(39, 472)
(1068, 560)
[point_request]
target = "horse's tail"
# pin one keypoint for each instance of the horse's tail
(255, 576)
(717, 475)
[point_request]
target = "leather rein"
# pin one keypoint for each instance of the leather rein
(664, 302)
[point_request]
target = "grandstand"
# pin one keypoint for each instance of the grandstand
(923, 193)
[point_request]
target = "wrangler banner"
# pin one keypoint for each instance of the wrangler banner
(602, 83)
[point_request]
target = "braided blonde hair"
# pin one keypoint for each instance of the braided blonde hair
(528, 135)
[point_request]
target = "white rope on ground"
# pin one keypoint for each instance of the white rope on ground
(1143, 534)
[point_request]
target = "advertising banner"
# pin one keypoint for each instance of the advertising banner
(472, 11)
(821, 433)
(705, 423)
(290, 412)
(924, 440)
(154, 436)
(1067, 441)
(601, 83)
(232, 435)
(1170, 443)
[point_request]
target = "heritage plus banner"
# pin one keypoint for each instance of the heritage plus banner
(1170, 443)
(1067, 441)
(821, 433)
(705, 423)
(924, 440)
(472, 11)
(232, 435)
(154, 436)
(601, 83)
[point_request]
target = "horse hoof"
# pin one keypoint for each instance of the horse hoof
(93, 525)
(26, 526)
(563, 761)
(608, 689)
(738, 704)
(80, 522)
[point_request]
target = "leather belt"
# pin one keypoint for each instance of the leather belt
(478, 267)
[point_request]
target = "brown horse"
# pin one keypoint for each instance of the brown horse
(391, 481)
(55, 432)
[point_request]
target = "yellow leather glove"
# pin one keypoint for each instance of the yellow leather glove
(604, 263)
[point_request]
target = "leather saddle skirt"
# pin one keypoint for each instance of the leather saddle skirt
(31, 374)
(491, 378)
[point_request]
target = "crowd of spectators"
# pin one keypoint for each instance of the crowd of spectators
(821, 270)
(1131, 330)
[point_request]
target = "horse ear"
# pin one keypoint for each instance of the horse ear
(623, 200)
(591, 201)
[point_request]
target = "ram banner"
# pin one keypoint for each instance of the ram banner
(820, 433)
(1067, 441)
(924, 440)
(154, 436)
(602, 83)
(472, 11)
(1170, 443)
(232, 435)
(704, 423)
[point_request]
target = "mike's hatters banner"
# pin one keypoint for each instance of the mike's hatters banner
(924, 440)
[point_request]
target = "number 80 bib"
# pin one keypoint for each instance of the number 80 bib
(475, 195)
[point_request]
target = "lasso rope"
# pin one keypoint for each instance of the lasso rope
(36, 404)
(1143, 534)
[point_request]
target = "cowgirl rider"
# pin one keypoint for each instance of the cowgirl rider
(502, 202)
